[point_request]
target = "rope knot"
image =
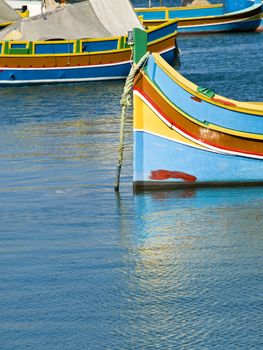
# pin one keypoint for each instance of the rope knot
(126, 100)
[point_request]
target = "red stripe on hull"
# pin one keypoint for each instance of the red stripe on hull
(192, 136)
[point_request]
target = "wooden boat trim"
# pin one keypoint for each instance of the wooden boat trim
(191, 140)
(67, 67)
(166, 10)
(62, 80)
(171, 22)
(177, 8)
(228, 142)
(77, 67)
(109, 57)
(208, 124)
(203, 22)
(74, 42)
(254, 8)
(251, 13)
(208, 21)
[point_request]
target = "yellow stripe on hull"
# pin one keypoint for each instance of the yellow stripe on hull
(243, 107)
(151, 122)
(211, 126)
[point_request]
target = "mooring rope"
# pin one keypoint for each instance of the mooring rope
(125, 103)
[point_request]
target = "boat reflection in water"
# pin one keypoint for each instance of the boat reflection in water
(194, 260)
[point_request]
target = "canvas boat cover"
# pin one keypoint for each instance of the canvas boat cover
(87, 19)
(7, 13)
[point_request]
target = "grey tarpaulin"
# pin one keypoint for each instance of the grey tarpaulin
(87, 19)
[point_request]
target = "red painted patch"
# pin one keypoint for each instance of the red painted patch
(162, 174)
(227, 103)
(197, 99)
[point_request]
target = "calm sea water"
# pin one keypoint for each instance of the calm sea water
(84, 268)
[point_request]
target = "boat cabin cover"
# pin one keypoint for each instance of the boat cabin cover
(87, 19)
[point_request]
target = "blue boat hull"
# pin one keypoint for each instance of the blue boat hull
(206, 109)
(197, 167)
(231, 16)
(248, 25)
(25, 76)
(63, 75)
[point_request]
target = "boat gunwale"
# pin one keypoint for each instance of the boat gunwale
(206, 124)
(84, 40)
(180, 8)
(190, 87)
(227, 14)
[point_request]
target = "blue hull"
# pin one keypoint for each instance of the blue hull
(22, 76)
(217, 28)
(205, 110)
(152, 153)
(231, 16)
(66, 74)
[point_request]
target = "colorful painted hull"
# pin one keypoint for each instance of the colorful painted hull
(187, 138)
(77, 60)
(206, 19)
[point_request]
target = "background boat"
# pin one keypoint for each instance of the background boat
(241, 15)
(62, 46)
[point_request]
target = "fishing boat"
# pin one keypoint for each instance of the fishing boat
(62, 46)
(188, 136)
(229, 16)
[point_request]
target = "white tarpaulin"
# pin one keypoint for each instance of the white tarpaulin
(7, 14)
(87, 19)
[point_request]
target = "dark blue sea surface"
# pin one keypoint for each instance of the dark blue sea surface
(84, 268)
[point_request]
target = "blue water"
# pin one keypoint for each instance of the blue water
(84, 268)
